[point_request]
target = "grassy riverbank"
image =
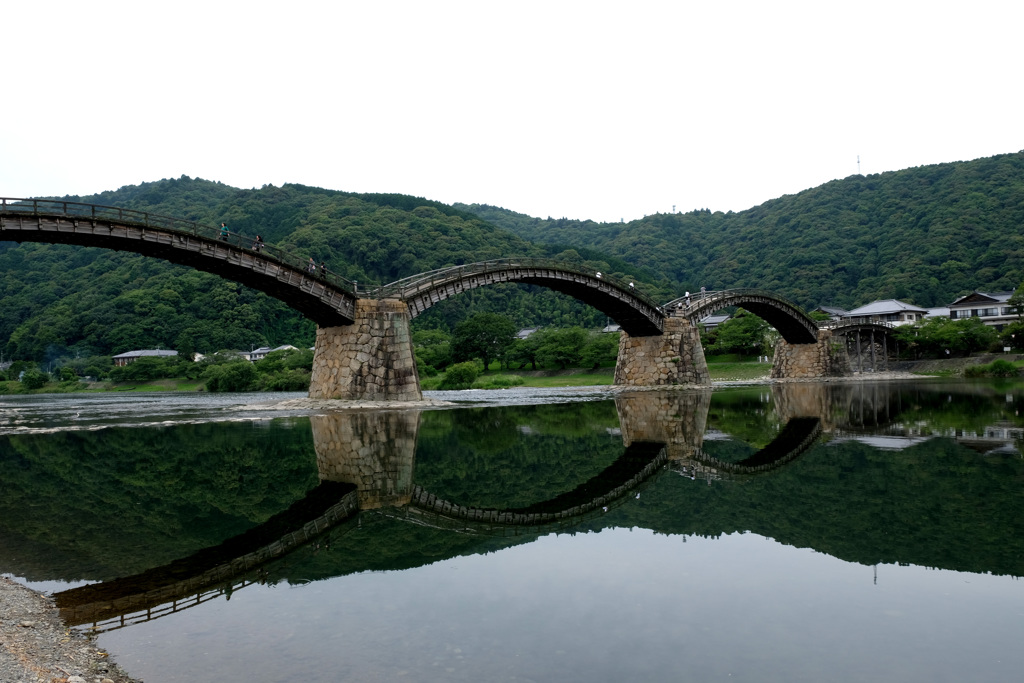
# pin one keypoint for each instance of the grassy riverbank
(727, 371)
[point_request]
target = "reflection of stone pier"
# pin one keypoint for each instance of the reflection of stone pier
(676, 419)
(810, 399)
(373, 450)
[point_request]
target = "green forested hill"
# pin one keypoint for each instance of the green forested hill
(60, 300)
(925, 235)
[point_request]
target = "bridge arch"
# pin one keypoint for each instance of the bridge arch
(637, 314)
(867, 344)
(795, 326)
(323, 297)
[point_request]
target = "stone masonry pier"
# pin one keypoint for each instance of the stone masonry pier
(371, 359)
(674, 357)
(810, 361)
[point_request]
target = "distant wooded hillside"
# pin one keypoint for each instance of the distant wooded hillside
(61, 300)
(925, 235)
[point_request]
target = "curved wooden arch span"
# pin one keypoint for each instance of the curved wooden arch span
(635, 313)
(325, 299)
(853, 326)
(795, 326)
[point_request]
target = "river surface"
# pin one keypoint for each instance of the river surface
(808, 532)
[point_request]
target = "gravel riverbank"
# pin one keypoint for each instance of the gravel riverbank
(36, 647)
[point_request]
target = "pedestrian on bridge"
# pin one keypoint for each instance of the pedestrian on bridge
(311, 266)
(257, 244)
(224, 231)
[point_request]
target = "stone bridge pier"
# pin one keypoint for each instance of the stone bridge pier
(371, 359)
(676, 419)
(672, 358)
(824, 358)
(373, 450)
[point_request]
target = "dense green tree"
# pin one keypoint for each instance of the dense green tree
(523, 351)
(433, 350)
(484, 335)
(239, 375)
(744, 333)
(460, 376)
(563, 348)
(600, 349)
(940, 337)
(34, 379)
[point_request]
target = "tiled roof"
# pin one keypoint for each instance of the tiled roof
(883, 307)
(146, 352)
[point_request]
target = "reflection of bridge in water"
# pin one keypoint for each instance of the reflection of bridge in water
(366, 463)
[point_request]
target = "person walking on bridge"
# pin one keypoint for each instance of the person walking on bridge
(224, 231)
(257, 244)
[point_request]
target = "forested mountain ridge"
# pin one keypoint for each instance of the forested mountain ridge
(925, 235)
(60, 300)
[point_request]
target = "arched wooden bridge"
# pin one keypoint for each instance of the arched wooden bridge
(328, 299)
(336, 305)
(636, 313)
(323, 297)
(795, 326)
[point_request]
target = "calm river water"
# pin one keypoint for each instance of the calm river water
(809, 532)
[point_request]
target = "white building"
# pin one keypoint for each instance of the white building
(992, 307)
(264, 351)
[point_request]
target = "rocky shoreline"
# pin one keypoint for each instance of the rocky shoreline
(36, 646)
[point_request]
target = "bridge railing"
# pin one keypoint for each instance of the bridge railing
(413, 285)
(695, 302)
(57, 207)
(853, 322)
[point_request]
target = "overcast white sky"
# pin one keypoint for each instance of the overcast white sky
(601, 110)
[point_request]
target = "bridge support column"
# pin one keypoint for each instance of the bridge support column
(673, 357)
(371, 359)
(820, 359)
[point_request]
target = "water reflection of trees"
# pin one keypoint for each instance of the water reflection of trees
(935, 503)
(107, 503)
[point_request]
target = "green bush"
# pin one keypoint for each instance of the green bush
(498, 382)
(460, 376)
(997, 368)
(239, 375)
(34, 379)
(286, 380)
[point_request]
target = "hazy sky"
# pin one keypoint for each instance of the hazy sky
(580, 109)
